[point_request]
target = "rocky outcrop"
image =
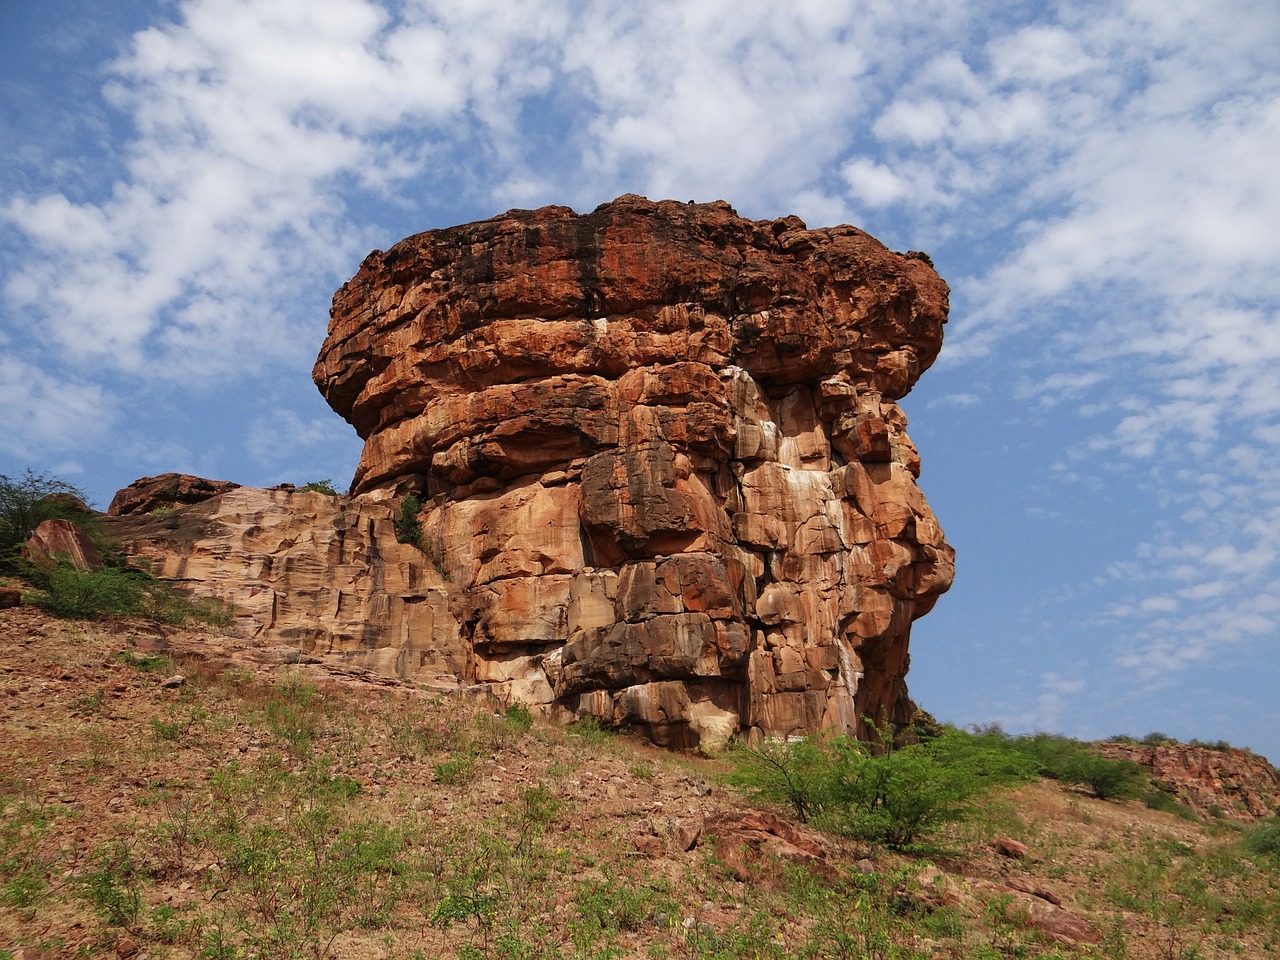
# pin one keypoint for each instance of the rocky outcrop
(165, 492)
(665, 481)
(62, 539)
(1230, 783)
(322, 574)
(661, 456)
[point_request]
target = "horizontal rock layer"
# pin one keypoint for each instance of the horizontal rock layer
(663, 470)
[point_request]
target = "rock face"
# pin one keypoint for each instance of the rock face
(320, 573)
(660, 457)
(54, 539)
(1229, 783)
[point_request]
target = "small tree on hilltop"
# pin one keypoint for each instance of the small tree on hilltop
(29, 500)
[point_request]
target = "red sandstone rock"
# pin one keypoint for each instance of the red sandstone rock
(1231, 783)
(665, 480)
(673, 431)
(319, 573)
(167, 491)
(1010, 848)
(54, 539)
(752, 842)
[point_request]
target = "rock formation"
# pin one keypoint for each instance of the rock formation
(55, 539)
(665, 480)
(168, 491)
(321, 573)
(1213, 781)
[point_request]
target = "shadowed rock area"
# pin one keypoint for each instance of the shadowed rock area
(665, 480)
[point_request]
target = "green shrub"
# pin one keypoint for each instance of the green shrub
(321, 486)
(65, 591)
(408, 529)
(454, 772)
(1071, 761)
(876, 791)
(87, 594)
(895, 796)
(1105, 779)
(794, 772)
(1264, 839)
(592, 730)
(112, 888)
(1161, 798)
(519, 717)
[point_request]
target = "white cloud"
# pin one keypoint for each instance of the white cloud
(955, 400)
(46, 415)
(248, 114)
(874, 184)
(1038, 55)
(274, 438)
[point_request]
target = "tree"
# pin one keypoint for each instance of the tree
(27, 501)
(896, 795)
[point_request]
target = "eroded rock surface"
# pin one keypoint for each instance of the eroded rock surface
(54, 539)
(1224, 782)
(318, 573)
(165, 492)
(661, 457)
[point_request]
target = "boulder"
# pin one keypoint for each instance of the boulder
(165, 492)
(54, 539)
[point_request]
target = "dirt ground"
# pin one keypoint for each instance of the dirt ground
(124, 737)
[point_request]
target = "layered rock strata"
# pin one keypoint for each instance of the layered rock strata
(320, 573)
(661, 457)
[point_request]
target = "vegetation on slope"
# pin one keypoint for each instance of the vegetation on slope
(235, 815)
(59, 587)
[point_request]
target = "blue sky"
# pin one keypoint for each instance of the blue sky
(190, 180)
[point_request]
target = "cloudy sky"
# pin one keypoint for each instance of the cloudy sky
(187, 181)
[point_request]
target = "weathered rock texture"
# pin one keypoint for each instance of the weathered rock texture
(165, 492)
(1226, 782)
(54, 539)
(661, 460)
(320, 573)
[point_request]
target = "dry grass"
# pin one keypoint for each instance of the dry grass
(247, 815)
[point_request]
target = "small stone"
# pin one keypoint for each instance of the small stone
(688, 833)
(170, 683)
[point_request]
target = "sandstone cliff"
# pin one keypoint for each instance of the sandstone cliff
(665, 479)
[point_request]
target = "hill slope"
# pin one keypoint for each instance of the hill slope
(176, 794)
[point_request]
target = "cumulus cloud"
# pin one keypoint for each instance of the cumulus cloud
(1099, 176)
(46, 415)
(273, 439)
(253, 121)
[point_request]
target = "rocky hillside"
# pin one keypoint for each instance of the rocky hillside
(168, 793)
(643, 464)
